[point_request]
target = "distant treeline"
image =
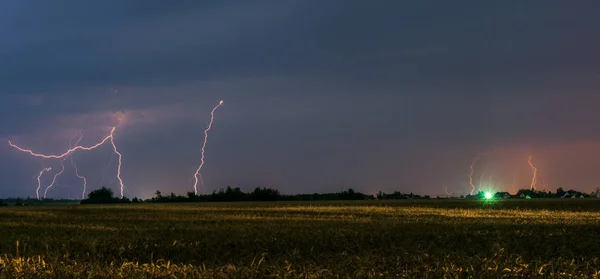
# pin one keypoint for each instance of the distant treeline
(258, 194)
(230, 194)
(528, 193)
(32, 201)
(267, 194)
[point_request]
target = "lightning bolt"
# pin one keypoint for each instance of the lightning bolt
(63, 156)
(472, 168)
(212, 117)
(80, 177)
(62, 165)
(77, 170)
(112, 141)
(79, 147)
(534, 177)
(446, 190)
(39, 183)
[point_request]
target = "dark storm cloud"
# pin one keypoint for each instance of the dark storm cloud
(374, 84)
(70, 44)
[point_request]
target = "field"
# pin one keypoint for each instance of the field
(405, 239)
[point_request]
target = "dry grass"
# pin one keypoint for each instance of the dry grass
(406, 239)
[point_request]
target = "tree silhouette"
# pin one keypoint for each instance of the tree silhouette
(102, 195)
(264, 194)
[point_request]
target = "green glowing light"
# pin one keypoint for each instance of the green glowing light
(488, 195)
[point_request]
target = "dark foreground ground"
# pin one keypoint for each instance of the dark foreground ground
(406, 239)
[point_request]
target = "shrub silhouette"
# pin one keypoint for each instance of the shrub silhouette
(103, 195)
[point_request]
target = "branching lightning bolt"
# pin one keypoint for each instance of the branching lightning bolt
(62, 166)
(534, 177)
(69, 152)
(212, 117)
(39, 183)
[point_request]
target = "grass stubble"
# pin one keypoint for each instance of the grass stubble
(399, 239)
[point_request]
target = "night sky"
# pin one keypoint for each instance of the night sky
(319, 95)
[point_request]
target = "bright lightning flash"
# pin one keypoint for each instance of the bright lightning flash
(212, 117)
(534, 177)
(37, 191)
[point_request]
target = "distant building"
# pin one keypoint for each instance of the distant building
(502, 195)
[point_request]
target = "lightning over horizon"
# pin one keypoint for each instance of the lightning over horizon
(120, 157)
(534, 174)
(62, 165)
(39, 182)
(71, 150)
(83, 178)
(515, 179)
(69, 153)
(56, 175)
(472, 168)
(80, 177)
(197, 173)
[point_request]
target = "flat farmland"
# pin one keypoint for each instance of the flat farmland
(400, 239)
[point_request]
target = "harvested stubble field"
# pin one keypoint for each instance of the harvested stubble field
(401, 239)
